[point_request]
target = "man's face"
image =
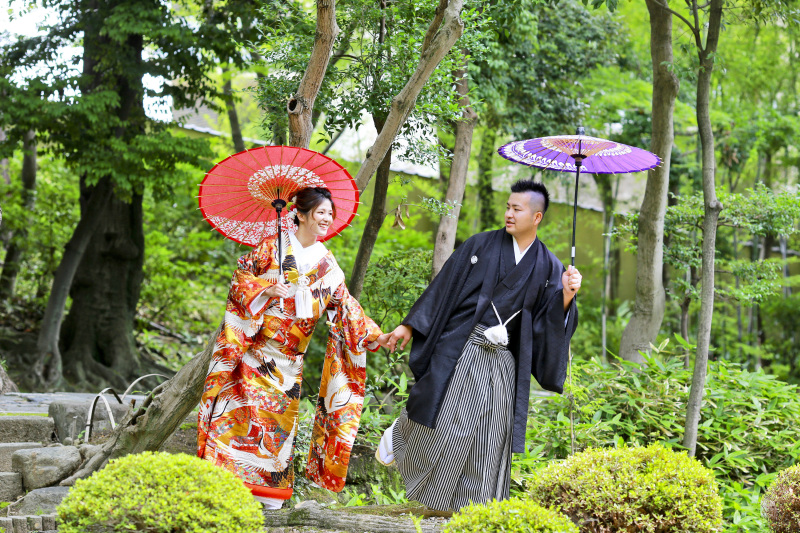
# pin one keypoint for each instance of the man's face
(521, 219)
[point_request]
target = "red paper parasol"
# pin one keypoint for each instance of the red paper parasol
(243, 195)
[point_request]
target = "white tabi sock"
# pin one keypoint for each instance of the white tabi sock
(270, 503)
(385, 454)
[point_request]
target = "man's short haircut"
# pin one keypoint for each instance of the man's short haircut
(535, 187)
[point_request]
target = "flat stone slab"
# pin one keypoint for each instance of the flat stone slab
(46, 466)
(39, 502)
(10, 486)
(26, 429)
(7, 449)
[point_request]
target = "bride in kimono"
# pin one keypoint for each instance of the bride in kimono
(249, 409)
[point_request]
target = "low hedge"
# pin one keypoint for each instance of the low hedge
(509, 516)
(781, 503)
(160, 493)
(652, 489)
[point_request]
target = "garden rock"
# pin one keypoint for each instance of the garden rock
(46, 466)
(26, 429)
(66, 414)
(39, 501)
(10, 486)
(7, 450)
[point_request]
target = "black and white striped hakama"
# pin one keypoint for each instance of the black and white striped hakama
(467, 458)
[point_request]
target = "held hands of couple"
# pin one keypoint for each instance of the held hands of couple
(401, 333)
(390, 340)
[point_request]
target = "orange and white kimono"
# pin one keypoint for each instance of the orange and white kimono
(249, 409)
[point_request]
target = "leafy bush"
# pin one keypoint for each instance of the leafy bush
(509, 516)
(625, 403)
(652, 489)
(160, 492)
(781, 505)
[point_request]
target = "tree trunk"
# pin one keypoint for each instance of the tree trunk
(13, 259)
(377, 214)
(233, 116)
(157, 418)
(97, 335)
(488, 209)
(457, 182)
(712, 210)
(648, 308)
(48, 365)
(105, 274)
(301, 106)
(447, 32)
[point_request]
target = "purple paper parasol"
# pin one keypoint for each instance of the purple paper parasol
(600, 156)
(573, 153)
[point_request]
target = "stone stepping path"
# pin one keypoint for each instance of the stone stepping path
(15, 403)
(28, 524)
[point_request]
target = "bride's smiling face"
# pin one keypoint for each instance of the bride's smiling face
(318, 221)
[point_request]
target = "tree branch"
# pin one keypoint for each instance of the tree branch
(300, 106)
(665, 7)
(402, 104)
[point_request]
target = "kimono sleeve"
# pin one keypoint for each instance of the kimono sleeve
(359, 332)
(248, 283)
(552, 334)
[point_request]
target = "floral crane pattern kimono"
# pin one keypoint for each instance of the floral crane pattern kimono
(249, 409)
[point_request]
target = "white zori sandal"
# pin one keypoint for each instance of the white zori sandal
(269, 503)
(384, 454)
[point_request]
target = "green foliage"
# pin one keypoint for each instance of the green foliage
(96, 119)
(49, 226)
(528, 82)
(625, 403)
(509, 516)
(160, 492)
(781, 503)
(376, 53)
(393, 283)
(633, 489)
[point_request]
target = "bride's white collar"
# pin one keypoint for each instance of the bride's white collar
(307, 256)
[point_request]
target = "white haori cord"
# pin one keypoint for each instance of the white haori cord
(303, 299)
(499, 334)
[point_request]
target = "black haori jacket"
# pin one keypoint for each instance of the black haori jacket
(472, 278)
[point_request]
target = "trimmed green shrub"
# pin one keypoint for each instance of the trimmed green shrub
(160, 493)
(509, 516)
(781, 504)
(652, 489)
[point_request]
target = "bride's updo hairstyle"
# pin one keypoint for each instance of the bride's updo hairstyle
(308, 199)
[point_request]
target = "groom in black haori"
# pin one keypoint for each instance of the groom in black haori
(501, 309)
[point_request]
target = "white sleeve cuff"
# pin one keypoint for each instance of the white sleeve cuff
(258, 303)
